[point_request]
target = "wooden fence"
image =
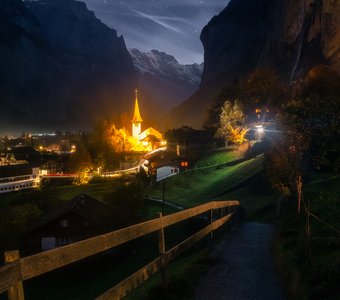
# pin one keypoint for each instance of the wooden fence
(16, 269)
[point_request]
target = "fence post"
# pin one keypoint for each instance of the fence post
(16, 291)
(161, 247)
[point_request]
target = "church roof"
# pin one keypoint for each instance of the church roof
(150, 131)
(136, 114)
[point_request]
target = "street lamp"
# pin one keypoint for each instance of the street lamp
(259, 132)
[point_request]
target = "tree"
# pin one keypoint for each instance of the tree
(232, 123)
(283, 165)
(120, 139)
(100, 146)
(81, 163)
(312, 118)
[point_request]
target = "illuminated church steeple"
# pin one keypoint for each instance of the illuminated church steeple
(136, 119)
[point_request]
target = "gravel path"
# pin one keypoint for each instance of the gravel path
(244, 269)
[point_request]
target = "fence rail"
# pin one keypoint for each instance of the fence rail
(16, 269)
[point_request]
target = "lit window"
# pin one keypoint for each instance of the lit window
(64, 223)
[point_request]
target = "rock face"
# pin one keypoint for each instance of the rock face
(290, 36)
(60, 67)
(163, 79)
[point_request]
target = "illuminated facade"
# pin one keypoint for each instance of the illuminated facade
(146, 137)
(136, 120)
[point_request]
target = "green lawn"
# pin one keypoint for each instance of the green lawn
(195, 187)
(217, 157)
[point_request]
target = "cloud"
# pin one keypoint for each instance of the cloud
(159, 20)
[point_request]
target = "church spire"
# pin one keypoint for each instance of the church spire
(136, 114)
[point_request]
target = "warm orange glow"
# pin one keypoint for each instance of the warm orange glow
(184, 164)
(237, 134)
(73, 148)
(139, 141)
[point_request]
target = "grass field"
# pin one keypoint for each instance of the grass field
(311, 274)
(195, 187)
(244, 182)
(217, 157)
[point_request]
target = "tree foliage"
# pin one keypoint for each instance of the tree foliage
(312, 118)
(232, 123)
(310, 131)
(81, 163)
(283, 165)
(100, 147)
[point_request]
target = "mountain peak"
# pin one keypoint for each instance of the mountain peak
(165, 65)
(161, 75)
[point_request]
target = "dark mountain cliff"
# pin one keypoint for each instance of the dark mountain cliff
(290, 36)
(28, 66)
(82, 40)
(60, 67)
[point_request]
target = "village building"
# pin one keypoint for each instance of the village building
(77, 219)
(18, 177)
(148, 137)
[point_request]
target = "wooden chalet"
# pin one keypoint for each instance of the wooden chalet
(77, 219)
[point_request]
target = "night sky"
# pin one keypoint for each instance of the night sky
(173, 26)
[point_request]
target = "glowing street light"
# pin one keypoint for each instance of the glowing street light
(260, 129)
(259, 132)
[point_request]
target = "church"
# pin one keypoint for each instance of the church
(150, 137)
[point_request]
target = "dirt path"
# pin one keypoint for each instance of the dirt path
(244, 269)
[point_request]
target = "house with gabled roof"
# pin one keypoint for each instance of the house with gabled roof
(77, 219)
